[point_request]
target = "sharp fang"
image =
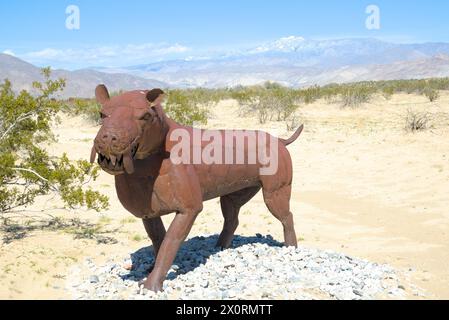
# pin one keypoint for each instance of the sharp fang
(113, 160)
(93, 155)
(128, 163)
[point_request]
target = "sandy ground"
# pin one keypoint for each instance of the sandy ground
(362, 186)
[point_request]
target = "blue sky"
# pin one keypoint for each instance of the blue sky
(118, 32)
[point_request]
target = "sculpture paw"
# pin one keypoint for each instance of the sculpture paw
(152, 285)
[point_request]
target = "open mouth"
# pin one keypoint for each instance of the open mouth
(118, 164)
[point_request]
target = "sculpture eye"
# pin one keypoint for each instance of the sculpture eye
(146, 116)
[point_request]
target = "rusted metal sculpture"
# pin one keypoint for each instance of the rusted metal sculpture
(133, 145)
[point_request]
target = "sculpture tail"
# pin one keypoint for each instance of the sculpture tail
(293, 138)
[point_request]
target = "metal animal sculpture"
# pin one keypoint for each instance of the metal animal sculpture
(134, 145)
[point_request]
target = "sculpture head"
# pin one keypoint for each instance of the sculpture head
(132, 128)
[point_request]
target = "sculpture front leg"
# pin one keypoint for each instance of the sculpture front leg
(156, 232)
(175, 236)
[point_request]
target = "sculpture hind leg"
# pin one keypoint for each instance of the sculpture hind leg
(230, 207)
(278, 202)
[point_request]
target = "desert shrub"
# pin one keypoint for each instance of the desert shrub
(431, 94)
(185, 108)
(263, 111)
(330, 92)
(292, 122)
(416, 121)
(260, 103)
(287, 110)
(26, 169)
(355, 96)
(280, 101)
(88, 108)
(439, 83)
(387, 92)
(247, 97)
(310, 95)
(269, 102)
(204, 97)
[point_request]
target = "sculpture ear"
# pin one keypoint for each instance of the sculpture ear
(155, 96)
(102, 94)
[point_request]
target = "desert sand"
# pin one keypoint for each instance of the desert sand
(362, 186)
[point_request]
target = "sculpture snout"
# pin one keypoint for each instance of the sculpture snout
(112, 142)
(116, 151)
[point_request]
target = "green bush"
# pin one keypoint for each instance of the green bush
(88, 108)
(431, 94)
(185, 107)
(269, 102)
(26, 169)
(387, 92)
(356, 96)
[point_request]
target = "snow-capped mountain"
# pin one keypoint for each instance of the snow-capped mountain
(296, 61)
(291, 61)
(287, 44)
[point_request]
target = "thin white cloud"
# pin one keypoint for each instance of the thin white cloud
(9, 52)
(117, 55)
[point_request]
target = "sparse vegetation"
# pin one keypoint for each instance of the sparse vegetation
(350, 94)
(272, 101)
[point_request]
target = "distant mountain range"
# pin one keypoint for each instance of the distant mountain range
(80, 83)
(295, 61)
(292, 61)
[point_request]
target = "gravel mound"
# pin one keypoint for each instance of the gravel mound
(254, 268)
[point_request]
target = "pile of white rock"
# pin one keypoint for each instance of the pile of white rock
(254, 268)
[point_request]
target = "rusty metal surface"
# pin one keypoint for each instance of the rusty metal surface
(133, 145)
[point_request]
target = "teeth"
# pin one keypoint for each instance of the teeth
(115, 163)
(134, 150)
(128, 164)
(93, 155)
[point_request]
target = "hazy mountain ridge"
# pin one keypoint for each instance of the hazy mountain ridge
(291, 61)
(295, 61)
(79, 83)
